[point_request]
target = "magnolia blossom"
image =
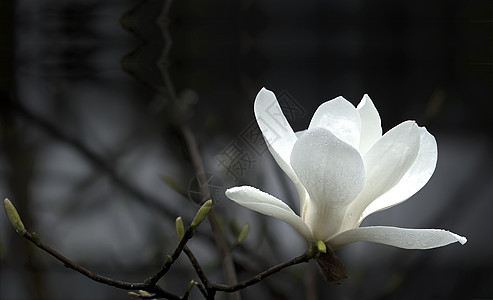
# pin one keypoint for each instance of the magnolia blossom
(344, 169)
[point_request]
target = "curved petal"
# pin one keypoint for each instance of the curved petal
(341, 118)
(414, 179)
(275, 128)
(398, 237)
(267, 204)
(304, 199)
(333, 175)
(385, 164)
(371, 125)
(278, 134)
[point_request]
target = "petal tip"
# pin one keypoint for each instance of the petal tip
(228, 192)
(264, 91)
(363, 101)
(462, 239)
(263, 99)
(233, 190)
(366, 102)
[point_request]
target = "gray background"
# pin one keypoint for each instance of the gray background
(86, 130)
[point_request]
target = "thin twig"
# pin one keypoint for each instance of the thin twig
(305, 257)
(187, 236)
(211, 286)
(207, 287)
(202, 289)
(150, 287)
(198, 269)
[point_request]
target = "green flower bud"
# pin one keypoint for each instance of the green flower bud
(243, 233)
(202, 213)
(14, 217)
(180, 229)
(133, 294)
(321, 247)
(144, 293)
(190, 286)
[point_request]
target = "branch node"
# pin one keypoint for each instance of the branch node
(36, 240)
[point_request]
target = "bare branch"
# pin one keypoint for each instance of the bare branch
(96, 277)
(305, 257)
(149, 285)
(196, 266)
(171, 259)
(206, 287)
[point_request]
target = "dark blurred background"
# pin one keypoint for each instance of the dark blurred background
(88, 127)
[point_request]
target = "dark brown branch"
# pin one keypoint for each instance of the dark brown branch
(207, 288)
(202, 289)
(198, 269)
(213, 287)
(187, 236)
(305, 257)
(150, 287)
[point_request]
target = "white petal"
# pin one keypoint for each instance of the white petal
(267, 204)
(341, 118)
(385, 164)
(332, 173)
(275, 128)
(398, 237)
(371, 125)
(414, 179)
(278, 134)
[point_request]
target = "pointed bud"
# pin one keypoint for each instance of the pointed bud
(190, 286)
(133, 294)
(144, 293)
(243, 233)
(180, 229)
(14, 217)
(322, 248)
(169, 258)
(202, 213)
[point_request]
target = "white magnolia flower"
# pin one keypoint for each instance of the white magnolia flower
(344, 170)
